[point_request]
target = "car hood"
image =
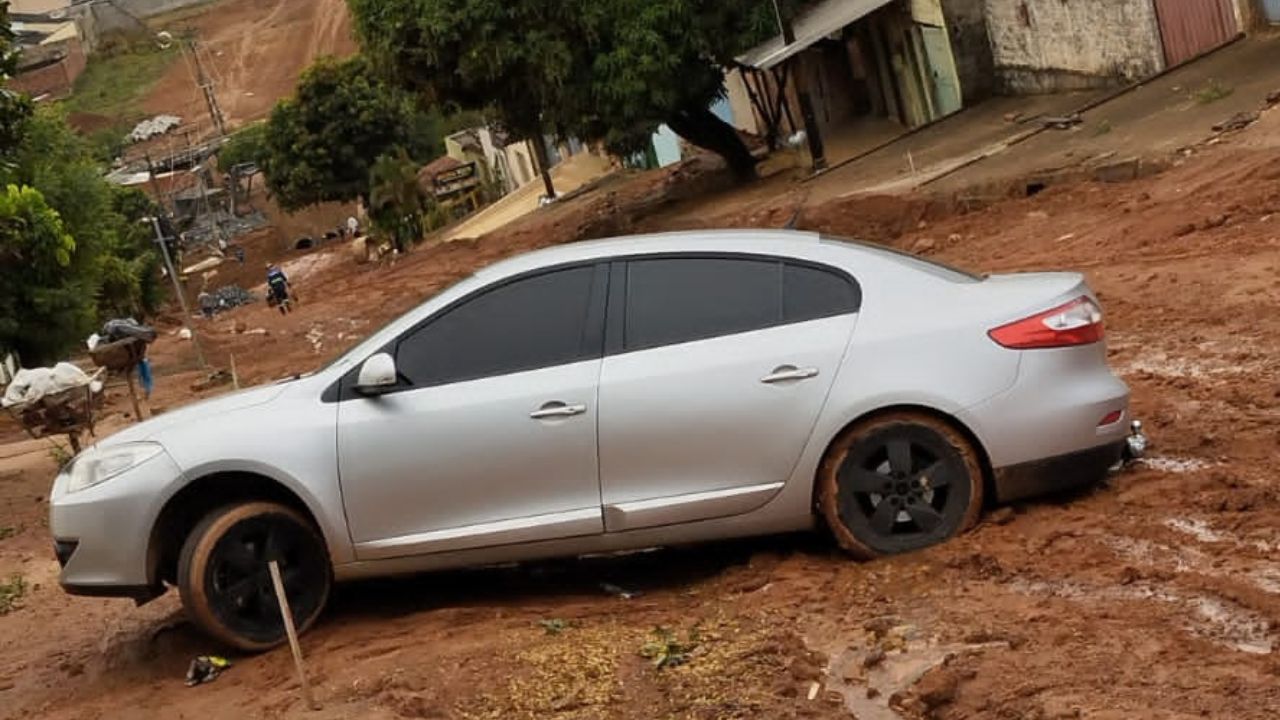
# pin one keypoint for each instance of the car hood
(196, 413)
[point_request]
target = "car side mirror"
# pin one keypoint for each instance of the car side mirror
(377, 375)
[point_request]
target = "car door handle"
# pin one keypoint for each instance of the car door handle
(556, 410)
(789, 372)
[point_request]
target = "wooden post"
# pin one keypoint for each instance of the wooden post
(287, 614)
(235, 379)
(133, 395)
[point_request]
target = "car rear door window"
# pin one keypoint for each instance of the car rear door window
(809, 293)
(675, 300)
(532, 322)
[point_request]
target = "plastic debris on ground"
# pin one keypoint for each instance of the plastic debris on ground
(121, 328)
(619, 592)
(33, 384)
(206, 668)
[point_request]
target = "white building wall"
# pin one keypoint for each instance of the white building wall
(1053, 45)
(744, 116)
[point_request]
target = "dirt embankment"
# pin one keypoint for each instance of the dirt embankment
(254, 51)
(1156, 596)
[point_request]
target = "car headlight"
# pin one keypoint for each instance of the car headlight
(96, 465)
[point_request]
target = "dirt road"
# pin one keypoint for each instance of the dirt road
(1156, 596)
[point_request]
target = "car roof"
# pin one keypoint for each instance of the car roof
(772, 242)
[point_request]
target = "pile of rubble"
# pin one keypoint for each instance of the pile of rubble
(230, 296)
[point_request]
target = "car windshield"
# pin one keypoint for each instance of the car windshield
(933, 267)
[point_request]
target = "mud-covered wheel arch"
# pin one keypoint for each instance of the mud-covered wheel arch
(192, 503)
(942, 421)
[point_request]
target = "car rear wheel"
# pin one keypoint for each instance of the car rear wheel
(224, 579)
(897, 483)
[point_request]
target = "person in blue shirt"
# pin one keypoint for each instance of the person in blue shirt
(278, 290)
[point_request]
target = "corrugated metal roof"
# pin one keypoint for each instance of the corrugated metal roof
(818, 22)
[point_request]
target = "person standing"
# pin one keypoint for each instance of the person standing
(278, 289)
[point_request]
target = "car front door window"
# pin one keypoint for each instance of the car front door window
(532, 322)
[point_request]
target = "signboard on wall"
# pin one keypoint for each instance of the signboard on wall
(463, 177)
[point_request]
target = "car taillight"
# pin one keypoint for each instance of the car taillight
(1078, 322)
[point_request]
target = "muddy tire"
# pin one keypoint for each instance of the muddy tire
(225, 584)
(897, 483)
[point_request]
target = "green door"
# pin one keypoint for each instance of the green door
(942, 67)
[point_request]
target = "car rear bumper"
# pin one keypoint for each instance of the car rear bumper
(1065, 401)
(1062, 472)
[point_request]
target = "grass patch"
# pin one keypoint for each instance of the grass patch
(1212, 91)
(554, 626)
(59, 455)
(1102, 128)
(7, 532)
(11, 594)
(117, 79)
(666, 649)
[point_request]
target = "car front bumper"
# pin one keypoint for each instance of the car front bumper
(102, 533)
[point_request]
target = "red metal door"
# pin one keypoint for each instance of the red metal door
(1190, 28)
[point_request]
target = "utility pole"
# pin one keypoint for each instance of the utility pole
(816, 150)
(206, 87)
(177, 288)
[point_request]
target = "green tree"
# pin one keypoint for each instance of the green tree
(111, 267)
(246, 145)
(44, 308)
(321, 143)
(599, 69)
(15, 108)
(71, 246)
(397, 203)
(130, 266)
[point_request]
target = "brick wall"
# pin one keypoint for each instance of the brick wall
(55, 79)
(1054, 45)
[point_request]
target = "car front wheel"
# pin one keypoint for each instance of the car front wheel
(225, 582)
(897, 483)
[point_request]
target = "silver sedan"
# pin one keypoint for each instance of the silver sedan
(604, 396)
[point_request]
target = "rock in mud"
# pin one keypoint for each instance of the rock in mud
(938, 687)
(880, 626)
(874, 657)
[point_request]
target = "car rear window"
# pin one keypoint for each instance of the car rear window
(915, 262)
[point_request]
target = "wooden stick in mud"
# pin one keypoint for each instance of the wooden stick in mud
(133, 395)
(287, 614)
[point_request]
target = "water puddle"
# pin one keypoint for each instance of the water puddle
(1171, 464)
(1212, 618)
(1200, 530)
(1152, 553)
(1197, 529)
(1161, 364)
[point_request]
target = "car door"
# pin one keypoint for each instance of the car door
(717, 369)
(489, 436)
